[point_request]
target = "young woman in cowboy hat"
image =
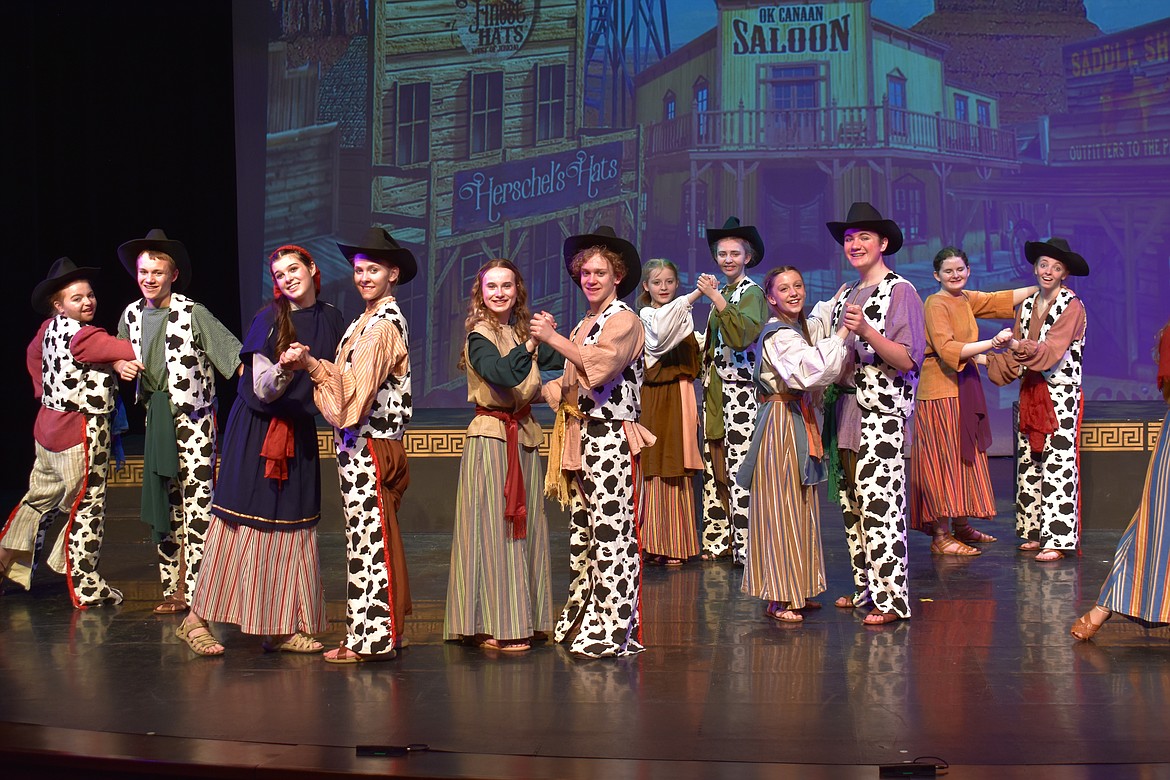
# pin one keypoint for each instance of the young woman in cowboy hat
(499, 589)
(1137, 584)
(364, 393)
(730, 353)
(1046, 351)
(180, 344)
(73, 365)
(593, 461)
(875, 397)
(261, 569)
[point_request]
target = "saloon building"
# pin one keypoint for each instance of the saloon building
(785, 113)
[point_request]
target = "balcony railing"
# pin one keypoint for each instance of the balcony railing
(811, 129)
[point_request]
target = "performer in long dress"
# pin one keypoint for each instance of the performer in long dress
(72, 364)
(949, 480)
(364, 393)
(868, 420)
(730, 353)
(593, 460)
(499, 586)
(669, 411)
(1138, 586)
(1046, 351)
(799, 356)
(261, 567)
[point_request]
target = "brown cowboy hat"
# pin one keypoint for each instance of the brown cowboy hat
(732, 229)
(863, 216)
(62, 273)
(378, 245)
(156, 240)
(1057, 249)
(606, 237)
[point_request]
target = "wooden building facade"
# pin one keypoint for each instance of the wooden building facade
(785, 113)
(478, 152)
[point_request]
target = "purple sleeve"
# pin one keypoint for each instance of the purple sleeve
(906, 321)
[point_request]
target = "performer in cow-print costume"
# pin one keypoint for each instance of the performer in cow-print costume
(178, 341)
(596, 443)
(72, 364)
(738, 313)
(365, 394)
(867, 423)
(1048, 341)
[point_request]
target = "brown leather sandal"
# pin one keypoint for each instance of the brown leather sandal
(946, 544)
(1084, 628)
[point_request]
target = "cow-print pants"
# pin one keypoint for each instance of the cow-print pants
(72, 483)
(181, 550)
(603, 614)
(722, 496)
(873, 503)
(1048, 482)
(377, 598)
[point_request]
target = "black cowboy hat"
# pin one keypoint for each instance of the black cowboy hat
(156, 240)
(378, 245)
(62, 273)
(863, 216)
(732, 229)
(1057, 249)
(606, 237)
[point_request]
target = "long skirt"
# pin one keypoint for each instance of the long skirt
(668, 509)
(784, 558)
(942, 484)
(1139, 584)
(265, 582)
(497, 585)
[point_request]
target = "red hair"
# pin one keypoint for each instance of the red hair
(293, 249)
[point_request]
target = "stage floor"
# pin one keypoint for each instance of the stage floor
(985, 676)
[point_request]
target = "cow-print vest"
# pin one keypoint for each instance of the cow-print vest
(620, 397)
(70, 385)
(1067, 370)
(392, 407)
(190, 381)
(736, 365)
(880, 386)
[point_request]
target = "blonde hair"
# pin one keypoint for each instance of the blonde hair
(477, 310)
(652, 265)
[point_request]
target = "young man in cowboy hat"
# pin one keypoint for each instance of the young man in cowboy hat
(72, 364)
(875, 398)
(593, 461)
(738, 314)
(178, 342)
(1046, 351)
(364, 393)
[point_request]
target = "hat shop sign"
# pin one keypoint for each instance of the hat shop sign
(493, 29)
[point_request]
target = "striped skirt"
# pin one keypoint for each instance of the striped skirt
(1139, 584)
(668, 517)
(265, 582)
(942, 484)
(497, 585)
(784, 558)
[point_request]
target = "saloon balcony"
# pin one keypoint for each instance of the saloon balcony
(865, 131)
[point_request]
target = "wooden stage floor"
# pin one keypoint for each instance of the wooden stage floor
(985, 676)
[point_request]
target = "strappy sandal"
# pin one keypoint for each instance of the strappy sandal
(172, 605)
(1029, 546)
(968, 535)
(202, 642)
(946, 544)
(850, 602)
(1084, 628)
(300, 642)
(879, 618)
(775, 612)
(1048, 555)
(343, 655)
